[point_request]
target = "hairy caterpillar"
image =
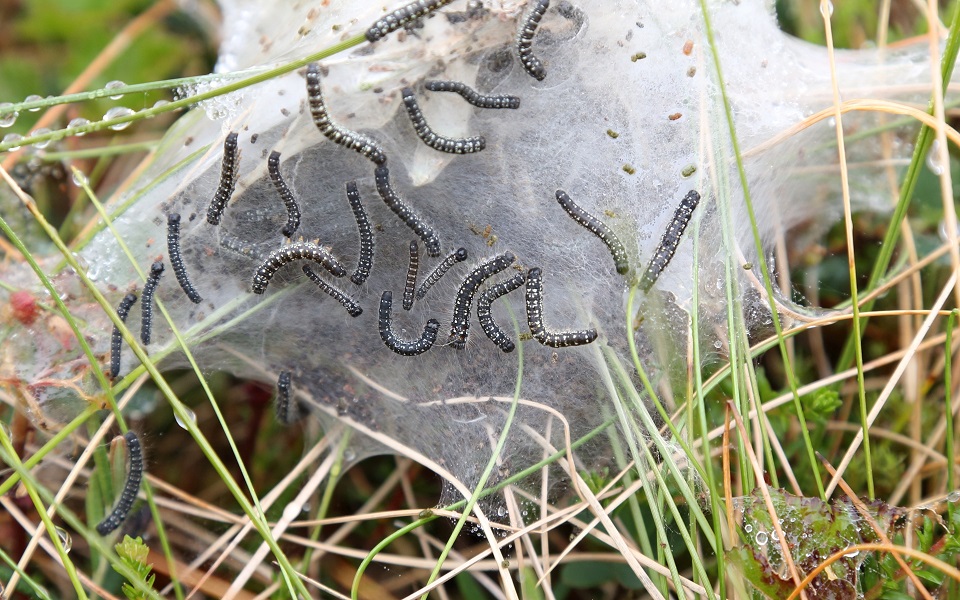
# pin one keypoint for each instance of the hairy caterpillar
(129, 494)
(228, 180)
(176, 259)
(430, 138)
(365, 261)
(534, 302)
(340, 135)
(402, 16)
(458, 255)
(461, 307)
(528, 28)
(399, 346)
(670, 240)
(353, 309)
(597, 228)
(406, 214)
(290, 253)
(485, 314)
(411, 283)
(146, 303)
(293, 209)
(116, 339)
(472, 96)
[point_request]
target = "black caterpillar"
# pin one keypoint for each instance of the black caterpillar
(399, 346)
(472, 96)
(129, 494)
(461, 308)
(411, 283)
(116, 339)
(597, 228)
(534, 301)
(485, 314)
(290, 253)
(402, 17)
(340, 135)
(365, 262)
(458, 255)
(353, 309)
(528, 28)
(228, 180)
(285, 416)
(430, 138)
(670, 240)
(293, 209)
(146, 303)
(176, 259)
(406, 214)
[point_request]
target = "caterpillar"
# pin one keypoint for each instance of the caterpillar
(458, 255)
(293, 209)
(399, 346)
(534, 302)
(365, 262)
(597, 228)
(123, 309)
(670, 240)
(176, 259)
(228, 180)
(284, 414)
(472, 96)
(411, 284)
(146, 303)
(438, 142)
(290, 253)
(130, 489)
(528, 28)
(485, 315)
(353, 309)
(241, 247)
(256, 215)
(460, 325)
(401, 17)
(406, 214)
(337, 134)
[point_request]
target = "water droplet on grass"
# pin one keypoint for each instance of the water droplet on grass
(112, 85)
(117, 112)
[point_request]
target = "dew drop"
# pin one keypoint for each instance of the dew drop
(7, 117)
(851, 554)
(748, 527)
(78, 122)
(112, 85)
(826, 8)
(942, 231)
(953, 496)
(40, 131)
(190, 415)
(117, 112)
(160, 103)
(500, 511)
(65, 538)
(33, 98)
(762, 538)
(349, 455)
(79, 179)
(717, 344)
(11, 138)
(933, 159)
